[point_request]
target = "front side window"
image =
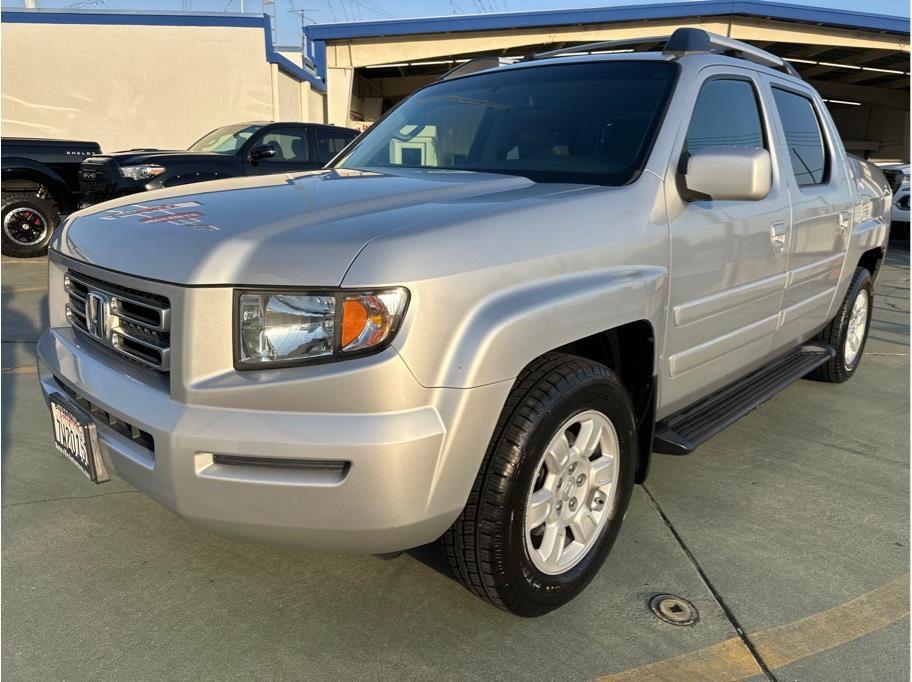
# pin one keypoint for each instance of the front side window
(227, 140)
(726, 115)
(291, 145)
(590, 123)
(803, 137)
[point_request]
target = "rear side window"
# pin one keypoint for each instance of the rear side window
(726, 115)
(803, 137)
(330, 143)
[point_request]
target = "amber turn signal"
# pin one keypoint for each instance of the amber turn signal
(370, 319)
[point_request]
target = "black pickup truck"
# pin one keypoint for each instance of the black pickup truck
(40, 183)
(253, 148)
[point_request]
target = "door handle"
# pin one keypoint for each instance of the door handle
(845, 220)
(777, 237)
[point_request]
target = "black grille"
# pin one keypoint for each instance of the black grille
(107, 419)
(135, 324)
(96, 178)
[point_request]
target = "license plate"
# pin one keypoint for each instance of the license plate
(75, 437)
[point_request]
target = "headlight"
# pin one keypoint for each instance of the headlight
(291, 328)
(143, 171)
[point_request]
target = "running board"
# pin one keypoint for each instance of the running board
(681, 432)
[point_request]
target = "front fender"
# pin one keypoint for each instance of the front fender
(506, 330)
(28, 169)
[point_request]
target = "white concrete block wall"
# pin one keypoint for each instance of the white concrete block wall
(132, 86)
(289, 99)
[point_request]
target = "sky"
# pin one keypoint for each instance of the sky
(329, 11)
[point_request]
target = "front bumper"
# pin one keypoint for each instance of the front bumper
(402, 483)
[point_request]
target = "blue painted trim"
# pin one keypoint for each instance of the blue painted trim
(286, 64)
(137, 18)
(319, 58)
(127, 18)
(607, 15)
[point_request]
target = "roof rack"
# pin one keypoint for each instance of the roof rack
(688, 41)
(475, 65)
(603, 45)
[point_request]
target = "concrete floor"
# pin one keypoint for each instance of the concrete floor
(790, 528)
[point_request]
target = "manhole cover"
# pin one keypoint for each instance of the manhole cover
(673, 609)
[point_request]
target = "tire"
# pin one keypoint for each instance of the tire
(838, 333)
(489, 547)
(28, 224)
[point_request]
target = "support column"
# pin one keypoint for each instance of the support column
(339, 84)
(274, 79)
(306, 114)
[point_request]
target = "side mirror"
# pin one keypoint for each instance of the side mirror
(262, 151)
(729, 173)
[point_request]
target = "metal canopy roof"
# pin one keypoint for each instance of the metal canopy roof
(606, 15)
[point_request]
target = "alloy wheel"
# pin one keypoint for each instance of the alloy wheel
(573, 493)
(25, 226)
(858, 324)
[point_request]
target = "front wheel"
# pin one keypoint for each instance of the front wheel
(847, 332)
(552, 491)
(28, 224)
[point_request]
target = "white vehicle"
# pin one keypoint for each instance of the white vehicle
(898, 175)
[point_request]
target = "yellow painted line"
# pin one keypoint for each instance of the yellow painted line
(24, 261)
(722, 662)
(785, 644)
(23, 369)
(780, 646)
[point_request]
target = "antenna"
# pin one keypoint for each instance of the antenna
(269, 9)
(302, 15)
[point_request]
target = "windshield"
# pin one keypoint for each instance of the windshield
(590, 122)
(226, 140)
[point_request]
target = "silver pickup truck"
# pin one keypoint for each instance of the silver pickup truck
(481, 320)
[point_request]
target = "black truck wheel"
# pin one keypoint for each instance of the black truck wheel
(552, 490)
(28, 224)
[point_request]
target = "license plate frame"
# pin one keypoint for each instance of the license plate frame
(76, 437)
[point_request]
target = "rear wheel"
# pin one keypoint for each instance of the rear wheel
(847, 332)
(549, 499)
(28, 224)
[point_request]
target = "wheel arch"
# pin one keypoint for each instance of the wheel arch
(27, 169)
(629, 350)
(871, 260)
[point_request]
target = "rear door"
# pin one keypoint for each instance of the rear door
(728, 260)
(821, 197)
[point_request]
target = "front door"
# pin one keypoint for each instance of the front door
(728, 258)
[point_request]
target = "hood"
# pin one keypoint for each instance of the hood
(132, 157)
(303, 229)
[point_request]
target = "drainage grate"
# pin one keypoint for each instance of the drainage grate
(674, 610)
